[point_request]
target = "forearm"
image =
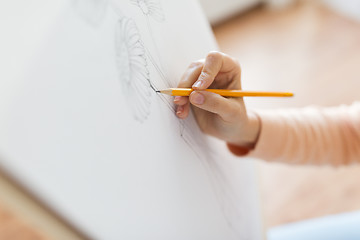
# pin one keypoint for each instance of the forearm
(310, 135)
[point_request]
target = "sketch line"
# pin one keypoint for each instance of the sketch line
(150, 8)
(222, 189)
(132, 57)
(158, 69)
(133, 68)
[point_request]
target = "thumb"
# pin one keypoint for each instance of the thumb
(214, 103)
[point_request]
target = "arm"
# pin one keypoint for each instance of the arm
(310, 135)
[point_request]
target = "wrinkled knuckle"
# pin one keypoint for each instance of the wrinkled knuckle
(206, 73)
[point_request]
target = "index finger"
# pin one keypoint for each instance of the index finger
(215, 63)
(191, 74)
(189, 77)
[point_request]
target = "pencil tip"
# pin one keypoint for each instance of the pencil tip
(157, 91)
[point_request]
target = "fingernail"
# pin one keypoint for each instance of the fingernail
(197, 98)
(177, 99)
(179, 110)
(197, 84)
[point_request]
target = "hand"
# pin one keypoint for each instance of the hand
(224, 118)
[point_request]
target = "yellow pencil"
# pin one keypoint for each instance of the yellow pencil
(226, 92)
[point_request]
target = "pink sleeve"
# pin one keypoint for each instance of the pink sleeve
(310, 135)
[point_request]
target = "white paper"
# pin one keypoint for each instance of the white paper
(83, 129)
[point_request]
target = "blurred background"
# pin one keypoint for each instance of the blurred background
(306, 46)
(313, 49)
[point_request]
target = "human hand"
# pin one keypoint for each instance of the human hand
(224, 118)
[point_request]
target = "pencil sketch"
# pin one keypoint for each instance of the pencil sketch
(195, 140)
(162, 76)
(150, 8)
(192, 136)
(92, 11)
(133, 61)
(132, 66)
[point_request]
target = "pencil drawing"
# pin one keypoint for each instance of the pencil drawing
(195, 140)
(150, 8)
(92, 11)
(133, 68)
(162, 76)
(133, 61)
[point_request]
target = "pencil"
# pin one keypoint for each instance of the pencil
(225, 92)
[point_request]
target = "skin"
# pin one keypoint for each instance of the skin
(224, 118)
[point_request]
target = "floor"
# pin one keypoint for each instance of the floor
(12, 227)
(307, 49)
(311, 50)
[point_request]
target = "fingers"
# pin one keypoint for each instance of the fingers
(182, 111)
(189, 77)
(215, 63)
(178, 100)
(201, 74)
(214, 103)
(191, 74)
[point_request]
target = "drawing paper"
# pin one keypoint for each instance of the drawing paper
(82, 128)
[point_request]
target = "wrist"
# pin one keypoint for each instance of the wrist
(252, 135)
(254, 128)
(248, 133)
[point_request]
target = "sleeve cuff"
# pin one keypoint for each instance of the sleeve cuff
(266, 146)
(238, 150)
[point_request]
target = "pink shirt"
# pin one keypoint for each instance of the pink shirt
(311, 135)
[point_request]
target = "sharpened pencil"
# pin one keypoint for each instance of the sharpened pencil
(225, 92)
